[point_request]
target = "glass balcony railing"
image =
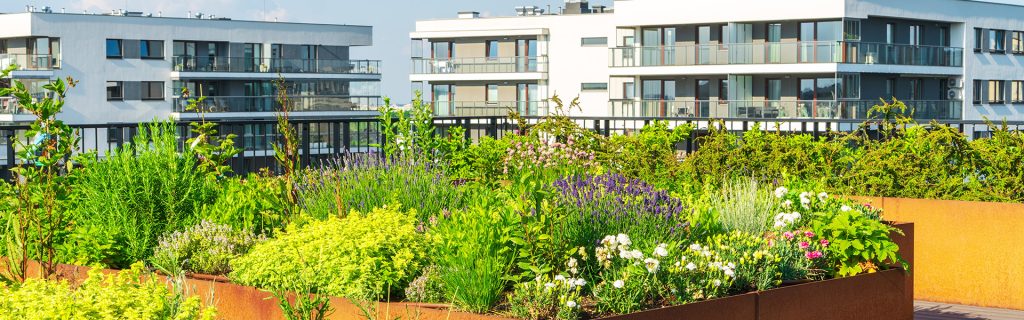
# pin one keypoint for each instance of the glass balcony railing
(270, 104)
(787, 53)
(489, 108)
(275, 65)
(34, 62)
(479, 65)
(921, 109)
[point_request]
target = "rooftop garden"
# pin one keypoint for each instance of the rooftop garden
(554, 222)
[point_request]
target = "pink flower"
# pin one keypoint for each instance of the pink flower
(868, 205)
(809, 234)
(824, 243)
(788, 235)
(811, 255)
(804, 245)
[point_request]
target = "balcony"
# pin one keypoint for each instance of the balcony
(489, 108)
(479, 65)
(787, 53)
(275, 65)
(30, 62)
(857, 109)
(270, 104)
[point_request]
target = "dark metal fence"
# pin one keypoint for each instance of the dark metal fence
(321, 139)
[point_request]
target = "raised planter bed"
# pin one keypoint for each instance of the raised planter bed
(882, 295)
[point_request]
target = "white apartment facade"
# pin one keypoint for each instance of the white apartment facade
(132, 67)
(825, 59)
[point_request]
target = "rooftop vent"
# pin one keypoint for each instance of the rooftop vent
(469, 15)
(598, 9)
(523, 11)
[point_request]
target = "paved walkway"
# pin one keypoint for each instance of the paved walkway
(924, 310)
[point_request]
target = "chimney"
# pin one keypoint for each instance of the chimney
(469, 15)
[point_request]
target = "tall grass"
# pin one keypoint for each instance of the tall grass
(743, 205)
(364, 182)
(125, 201)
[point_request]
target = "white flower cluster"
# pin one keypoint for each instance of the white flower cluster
(805, 199)
(784, 219)
(729, 269)
(612, 244)
(781, 192)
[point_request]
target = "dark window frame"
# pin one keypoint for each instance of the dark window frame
(146, 88)
(978, 92)
(120, 90)
(1000, 92)
(487, 93)
(149, 45)
(723, 90)
(489, 52)
(120, 48)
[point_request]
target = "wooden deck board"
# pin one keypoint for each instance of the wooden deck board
(924, 310)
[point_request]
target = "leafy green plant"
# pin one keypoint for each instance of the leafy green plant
(743, 205)
(858, 244)
(133, 196)
(130, 294)
(427, 287)
(286, 151)
(547, 297)
(42, 183)
(299, 295)
(473, 251)
(254, 204)
(212, 149)
(204, 248)
(649, 155)
(360, 255)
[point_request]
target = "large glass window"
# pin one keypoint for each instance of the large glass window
(916, 87)
(114, 48)
(703, 44)
(995, 91)
(151, 49)
(115, 90)
(441, 50)
(442, 99)
(890, 89)
(979, 39)
(1017, 92)
(774, 37)
(915, 35)
(851, 30)
(152, 90)
(492, 93)
(979, 92)
(492, 49)
(1017, 44)
(890, 33)
(997, 41)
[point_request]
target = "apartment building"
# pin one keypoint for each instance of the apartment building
(825, 59)
(132, 67)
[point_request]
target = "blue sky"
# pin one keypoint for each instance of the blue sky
(392, 20)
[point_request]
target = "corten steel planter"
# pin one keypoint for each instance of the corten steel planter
(740, 307)
(882, 295)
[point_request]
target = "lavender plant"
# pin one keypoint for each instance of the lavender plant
(204, 248)
(598, 205)
(364, 182)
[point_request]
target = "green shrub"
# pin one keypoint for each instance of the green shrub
(361, 255)
(474, 255)
(134, 195)
(364, 182)
(649, 155)
(121, 296)
(204, 248)
(255, 204)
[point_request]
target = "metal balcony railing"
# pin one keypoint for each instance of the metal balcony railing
(479, 65)
(791, 109)
(787, 53)
(275, 65)
(34, 62)
(298, 103)
(489, 108)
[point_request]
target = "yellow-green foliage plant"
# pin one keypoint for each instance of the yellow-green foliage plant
(130, 294)
(361, 255)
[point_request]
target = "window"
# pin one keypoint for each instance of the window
(594, 86)
(915, 35)
(890, 88)
(629, 90)
(979, 91)
(594, 41)
(723, 89)
(1017, 92)
(943, 36)
(1017, 44)
(890, 33)
(723, 34)
(152, 90)
(995, 92)
(916, 89)
(115, 90)
(492, 49)
(979, 39)
(114, 48)
(997, 41)
(851, 30)
(151, 49)
(492, 93)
